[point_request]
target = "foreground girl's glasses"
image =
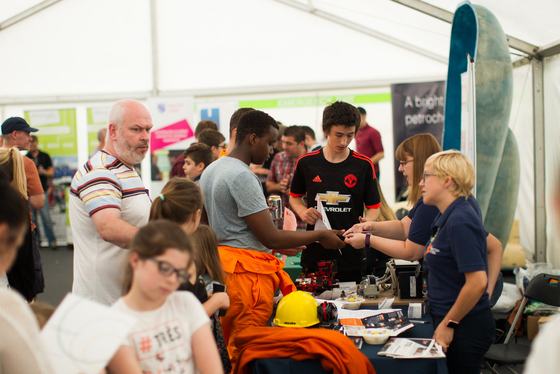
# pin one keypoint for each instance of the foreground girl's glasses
(166, 269)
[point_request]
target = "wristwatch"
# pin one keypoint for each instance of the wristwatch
(452, 324)
(368, 237)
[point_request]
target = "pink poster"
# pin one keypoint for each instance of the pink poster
(171, 134)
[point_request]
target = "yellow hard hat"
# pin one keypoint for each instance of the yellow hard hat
(298, 309)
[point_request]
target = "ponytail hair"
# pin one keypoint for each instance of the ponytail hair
(11, 162)
(180, 198)
(208, 257)
(385, 212)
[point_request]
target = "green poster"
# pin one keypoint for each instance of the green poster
(294, 102)
(57, 130)
(96, 120)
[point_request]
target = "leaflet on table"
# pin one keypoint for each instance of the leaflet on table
(411, 348)
(393, 320)
(360, 313)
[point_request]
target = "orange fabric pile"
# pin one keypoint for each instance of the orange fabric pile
(336, 352)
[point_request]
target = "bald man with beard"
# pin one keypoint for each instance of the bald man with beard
(108, 202)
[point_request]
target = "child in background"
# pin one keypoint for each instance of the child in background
(173, 332)
(211, 272)
(197, 157)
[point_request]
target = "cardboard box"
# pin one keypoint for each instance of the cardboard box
(546, 319)
(532, 326)
(514, 235)
(514, 256)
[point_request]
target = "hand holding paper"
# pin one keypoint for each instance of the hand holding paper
(324, 223)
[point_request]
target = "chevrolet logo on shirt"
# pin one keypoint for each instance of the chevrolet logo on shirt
(333, 198)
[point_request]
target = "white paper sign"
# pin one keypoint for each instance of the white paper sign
(323, 224)
(83, 335)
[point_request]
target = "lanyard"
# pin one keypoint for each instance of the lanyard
(430, 243)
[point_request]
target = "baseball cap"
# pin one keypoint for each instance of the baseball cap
(16, 124)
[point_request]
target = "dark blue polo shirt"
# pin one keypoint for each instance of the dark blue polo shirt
(422, 217)
(458, 246)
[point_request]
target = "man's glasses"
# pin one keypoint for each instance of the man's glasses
(166, 269)
(403, 163)
(427, 175)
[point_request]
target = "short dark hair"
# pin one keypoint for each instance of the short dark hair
(203, 125)
(211, 138)
(296, 132)
(362, 110)
(308, 131)
(254, 122)
(340, 113)
(34, 139)
(199, 152)
(235, 117)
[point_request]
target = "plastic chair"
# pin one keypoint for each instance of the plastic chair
(544, 288)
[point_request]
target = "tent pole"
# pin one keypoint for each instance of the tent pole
(155, 61)
(539, 160)
(549, 49)
(27, 13)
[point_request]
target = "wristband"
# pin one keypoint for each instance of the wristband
(452, 324)
(368, 237)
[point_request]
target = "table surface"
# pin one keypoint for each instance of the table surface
(381, 364)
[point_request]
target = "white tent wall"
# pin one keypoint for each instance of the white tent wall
(78, 47)
(521, 124)
(273, 44)
(552, 154)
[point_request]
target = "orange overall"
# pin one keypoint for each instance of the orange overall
(252, 277)
(336, 352)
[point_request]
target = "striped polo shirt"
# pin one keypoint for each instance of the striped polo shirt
(103, 182)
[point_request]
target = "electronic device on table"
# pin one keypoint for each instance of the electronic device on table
(404, 278)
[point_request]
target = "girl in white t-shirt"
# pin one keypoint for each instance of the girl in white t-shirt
(173, 333)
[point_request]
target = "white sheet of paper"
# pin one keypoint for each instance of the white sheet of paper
(323, 224)
(83, 335)
(361, 313)
(386, 303)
